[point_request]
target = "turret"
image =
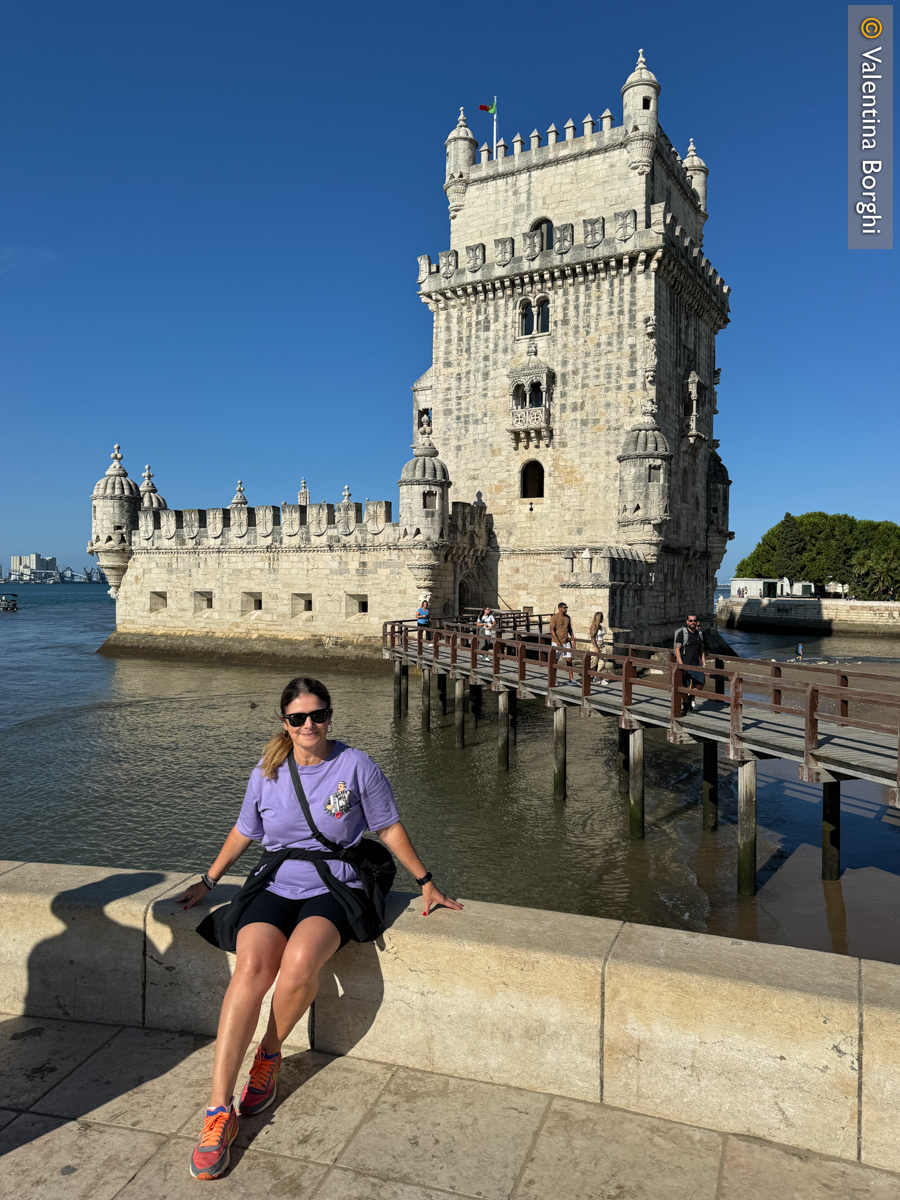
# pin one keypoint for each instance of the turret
(644, 484)
(640, 109)
(461, 147)
(115, 503)
(697, 171)
(424, 486)
(150, 497)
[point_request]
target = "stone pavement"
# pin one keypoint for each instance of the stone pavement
(93, 1112)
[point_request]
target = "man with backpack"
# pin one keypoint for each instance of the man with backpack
(690, 651)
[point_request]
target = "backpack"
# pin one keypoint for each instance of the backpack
(683, 632)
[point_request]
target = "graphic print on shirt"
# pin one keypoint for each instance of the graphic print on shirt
(338, 802)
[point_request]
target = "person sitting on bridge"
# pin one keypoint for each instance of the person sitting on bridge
(690, 650)
(561, 635)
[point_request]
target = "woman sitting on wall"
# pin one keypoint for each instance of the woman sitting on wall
(318, 886)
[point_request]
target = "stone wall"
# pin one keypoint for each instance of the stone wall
(814, 616)
(765, 1041)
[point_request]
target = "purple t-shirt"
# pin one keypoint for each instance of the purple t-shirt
(347, 794)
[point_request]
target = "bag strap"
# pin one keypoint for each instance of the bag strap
(304, 804)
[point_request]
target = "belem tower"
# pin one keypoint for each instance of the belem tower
(563, 435)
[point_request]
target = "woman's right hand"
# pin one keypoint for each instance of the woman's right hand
(194, 893)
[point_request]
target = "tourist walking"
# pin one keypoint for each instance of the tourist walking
(318, 886)
(690, 651)
(597, 634)
(561, 635)
(423, 613)
(485, 625)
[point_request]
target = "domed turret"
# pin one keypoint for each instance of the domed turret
(697, 171)
(644, 484)
(462, 148)
(115, 502)
(150, 497)
(424, 484)
(640, 115)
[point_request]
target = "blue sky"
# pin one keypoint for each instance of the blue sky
(210, 212)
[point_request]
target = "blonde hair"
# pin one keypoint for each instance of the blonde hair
(596, 623)
(277, 748)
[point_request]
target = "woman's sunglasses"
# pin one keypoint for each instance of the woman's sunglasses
(319, 717)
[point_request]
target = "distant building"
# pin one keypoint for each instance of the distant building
(32, 568)
(769, 589)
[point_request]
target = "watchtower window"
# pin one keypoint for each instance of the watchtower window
(535, 396)
(519, 399)
(546, 228)
(429, 500)
(646, 102)
(654, 473)
(526, 319)
(532, 481)
(542, 321)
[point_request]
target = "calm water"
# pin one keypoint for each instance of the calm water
(142, 763)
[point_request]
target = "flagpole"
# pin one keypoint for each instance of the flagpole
(495, 129)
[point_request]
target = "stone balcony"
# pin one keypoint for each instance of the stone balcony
(530, 425)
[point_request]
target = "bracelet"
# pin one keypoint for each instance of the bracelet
(207, 882)
(426, 878)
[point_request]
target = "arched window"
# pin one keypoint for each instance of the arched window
(519, 398)
(532, 481)
(546, 228)
(535, 396)
(526, 319)
(463, 593)
(542, 317)
(654, 473)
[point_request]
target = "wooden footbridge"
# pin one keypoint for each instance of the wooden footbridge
(835, 722)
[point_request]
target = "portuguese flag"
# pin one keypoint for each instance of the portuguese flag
(488, 108)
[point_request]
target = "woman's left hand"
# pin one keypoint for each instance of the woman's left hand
(435, 898)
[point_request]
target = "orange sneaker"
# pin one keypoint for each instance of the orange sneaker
(213, 1151)
(259, 1090)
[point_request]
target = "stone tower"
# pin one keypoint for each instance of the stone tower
(573, 383)
(115, 504)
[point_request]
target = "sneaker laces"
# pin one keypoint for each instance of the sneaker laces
(213, 1128)
(261, 1072)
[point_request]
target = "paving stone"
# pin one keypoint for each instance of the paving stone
(250, 1176)
(439, 1131)
(7, 1115)
(48, 1159)
(37, 1052)
(342, 1184)
(142, 1079)
(320, 1102)
(599, 1153)
(755, 1169)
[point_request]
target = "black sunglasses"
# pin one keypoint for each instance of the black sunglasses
(319, 717)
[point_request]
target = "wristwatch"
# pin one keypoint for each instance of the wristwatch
(426, 878)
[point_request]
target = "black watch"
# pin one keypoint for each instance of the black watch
(426, 878)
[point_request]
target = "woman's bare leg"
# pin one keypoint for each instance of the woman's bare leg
(311, 945)
(259, 951)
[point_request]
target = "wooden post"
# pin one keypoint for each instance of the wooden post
(747, 828)
(459, 713)
(831, 830)
(404, 689)
(559, 753)
(623, 761)
(442, 693)
(636, 782)
(475, 700)
(398, 702)
(503, 729)
(710, 784)
(513, 714)
(426, 698)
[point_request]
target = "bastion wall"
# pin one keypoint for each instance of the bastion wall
(794, 1046)
(878, 618)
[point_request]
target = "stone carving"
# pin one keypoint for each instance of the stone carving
(455, 187)
(378, 516)
(424, 267)
(651, 361)
(215, 522)
(265, 520)
(641, 148)
(145, 521)
(290, 520)
(563, 238)
(167, 522)
(626, 224)
(346, 514)
(319, 518)
(475, 257)
(425, 423)
(303, 494)
(533, 243)
(504, 249)
(239, 520)
(449, 263)
(594, 231)
(191, 520)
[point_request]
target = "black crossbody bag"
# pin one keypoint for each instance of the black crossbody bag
(364, 906)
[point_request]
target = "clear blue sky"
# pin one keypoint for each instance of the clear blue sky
(210, 212)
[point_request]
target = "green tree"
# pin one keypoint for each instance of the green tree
(791, 549)
(833, 547)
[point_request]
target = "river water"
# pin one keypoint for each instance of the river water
(142, 763)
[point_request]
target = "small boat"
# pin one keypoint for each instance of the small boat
(9, 602)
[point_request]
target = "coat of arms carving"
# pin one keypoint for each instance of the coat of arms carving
(167, 522)
(265, 520)
(626, 224)
(239, 520)
(424, 267)
(449, 263)
(503, 250)
(594, 231)
(145, 520)
(563, 238)
(290, 520)
(318, 517)
(191, 520)
(475, 257)
(533, 243)
(215, 522)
